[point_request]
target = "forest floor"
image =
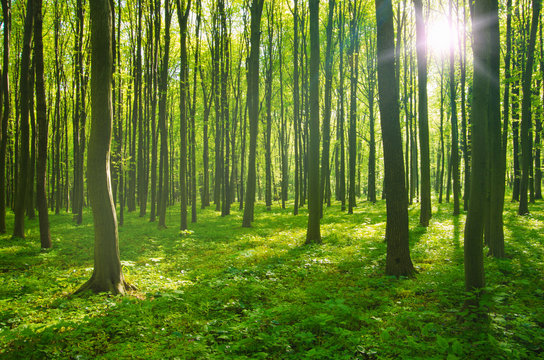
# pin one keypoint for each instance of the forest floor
(223, 291)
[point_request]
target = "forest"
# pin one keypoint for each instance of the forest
(288, 179)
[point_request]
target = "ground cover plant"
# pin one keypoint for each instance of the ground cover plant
(223, 291)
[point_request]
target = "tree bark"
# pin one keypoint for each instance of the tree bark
(526, 143)
(163, 130)
(325, 163)
(497, 162)
(26, 93)
(253, 107)
(107, 274)
(5, 100)
(426, 209)
(313, 233)
(398, 262)
(41, 112)
(183, 15)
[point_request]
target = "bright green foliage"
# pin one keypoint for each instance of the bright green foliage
(223, 291)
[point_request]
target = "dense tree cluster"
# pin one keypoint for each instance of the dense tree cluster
(243, 101)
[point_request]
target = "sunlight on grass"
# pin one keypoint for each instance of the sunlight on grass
(222, 291)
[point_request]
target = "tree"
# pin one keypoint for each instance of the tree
(325, 191)
(398, 262)
(296, 110)
(313, 234)
(454, 131)
(163, 130)
(41, 114)
(183, 15)
(426, 210)
(352, 136)
(107, 274)
(526, 143)
(5, 101)
(26, 93)
(253, 107)
(494, 233)
(474, 226)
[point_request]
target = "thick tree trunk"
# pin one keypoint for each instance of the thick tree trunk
(473, 251)
(107, 274)
(398, 262)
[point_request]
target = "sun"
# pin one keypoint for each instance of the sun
(441, 37)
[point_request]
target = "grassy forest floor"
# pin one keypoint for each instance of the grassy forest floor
(223, 291)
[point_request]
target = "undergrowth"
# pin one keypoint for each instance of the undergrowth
(223, 291)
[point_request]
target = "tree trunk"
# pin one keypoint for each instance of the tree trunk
(41, 112)
(107, 274)
(526, 143)
(325, 167)
(253, 107)
(183, 15)
(5, 100)
(341, 132)
(398, 262)
(26, 93)
(473, 250)
(296, 110)
(426, 209)
(352, 133)
(494, 235)
(163, 130)
(313, 234)
(268, 96)
(454, 131)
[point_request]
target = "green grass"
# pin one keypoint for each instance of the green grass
(223, 291)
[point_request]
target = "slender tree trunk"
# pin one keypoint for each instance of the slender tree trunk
(342, 177)
(225, 67)
(398, 262)
(313, 234)
(325, 167)
(426, 209)
(41, 112)
(193, 114)
(352, 133)
(296, 110)
(454, 131)
(268, 96)
(183, 15)
(26, 93)
(163, 130)
(526, 143)
(5, 100)
(253, 107)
